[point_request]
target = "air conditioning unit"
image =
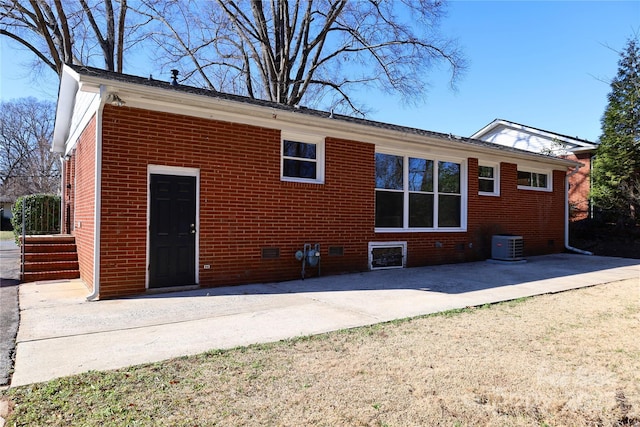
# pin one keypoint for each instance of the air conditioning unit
(507, 247)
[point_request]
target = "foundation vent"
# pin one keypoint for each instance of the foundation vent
(270, 253)
(384, 255)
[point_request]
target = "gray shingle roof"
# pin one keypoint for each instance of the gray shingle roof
(150, 82)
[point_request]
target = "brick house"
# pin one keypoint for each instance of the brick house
(168, 187)
(515, 135)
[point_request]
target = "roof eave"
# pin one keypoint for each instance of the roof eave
(582, 144)
(69, 86)
(167, 100)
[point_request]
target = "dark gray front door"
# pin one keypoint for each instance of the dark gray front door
(172, 251)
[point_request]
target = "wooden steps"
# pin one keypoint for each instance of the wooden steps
(51, 257)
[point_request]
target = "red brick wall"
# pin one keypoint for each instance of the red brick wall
(579, 187)
(68, 194)
(83, 189)
(536, 215)
(244, 206)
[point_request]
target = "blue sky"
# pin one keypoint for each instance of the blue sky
(541, 63)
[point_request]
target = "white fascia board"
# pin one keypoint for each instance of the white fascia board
(554, 136)
(538, 166)
(584, 149)
(69, 85)
(578, 144)
(488, 128)
(195, 105)
(73, 111)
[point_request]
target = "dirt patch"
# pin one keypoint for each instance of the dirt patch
(564, 359)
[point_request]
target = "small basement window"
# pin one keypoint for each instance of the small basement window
(383, 255)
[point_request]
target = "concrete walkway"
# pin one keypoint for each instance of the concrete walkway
(61, 334)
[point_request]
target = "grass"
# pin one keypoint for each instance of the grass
(568, 359)
(6, 235)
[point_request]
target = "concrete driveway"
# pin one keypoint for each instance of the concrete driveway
(9, 281)
(61, 334)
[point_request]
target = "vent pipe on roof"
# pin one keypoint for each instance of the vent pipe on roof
(174, 77)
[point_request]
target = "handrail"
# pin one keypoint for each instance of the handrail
(23, 243)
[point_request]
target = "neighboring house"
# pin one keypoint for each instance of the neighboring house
(515, 135)
(6, 203)
(172, 186)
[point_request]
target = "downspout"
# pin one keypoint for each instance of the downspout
(566, 214)
(98, 199)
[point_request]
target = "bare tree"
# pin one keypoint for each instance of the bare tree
(27, 165)
(68, 31)
(320, 52)
(317, 52)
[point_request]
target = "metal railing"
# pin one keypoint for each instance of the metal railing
(39, 217)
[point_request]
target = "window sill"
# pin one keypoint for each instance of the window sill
(301, 180)
(480, 193)
(421, 230)
(546, 190)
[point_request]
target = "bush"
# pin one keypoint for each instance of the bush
(41, 213)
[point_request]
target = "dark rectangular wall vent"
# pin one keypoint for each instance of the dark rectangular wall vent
(270, 253)
(336, 251)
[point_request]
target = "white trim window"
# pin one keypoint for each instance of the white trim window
(302, 158)
(488, 179)
(414, 193)
(534, 180)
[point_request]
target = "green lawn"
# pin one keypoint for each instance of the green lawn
(6, 235)
(565, 359)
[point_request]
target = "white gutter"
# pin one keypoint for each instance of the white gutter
(566, 214)
(97, 197)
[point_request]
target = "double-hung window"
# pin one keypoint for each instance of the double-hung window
(302, 159)
(418, 194)
(488, 179)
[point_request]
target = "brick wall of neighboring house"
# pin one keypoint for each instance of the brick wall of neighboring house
(245, 207)
(83, 186)
(68, 194)
(579, 187)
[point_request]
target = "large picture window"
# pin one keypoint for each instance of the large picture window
(418, 193)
